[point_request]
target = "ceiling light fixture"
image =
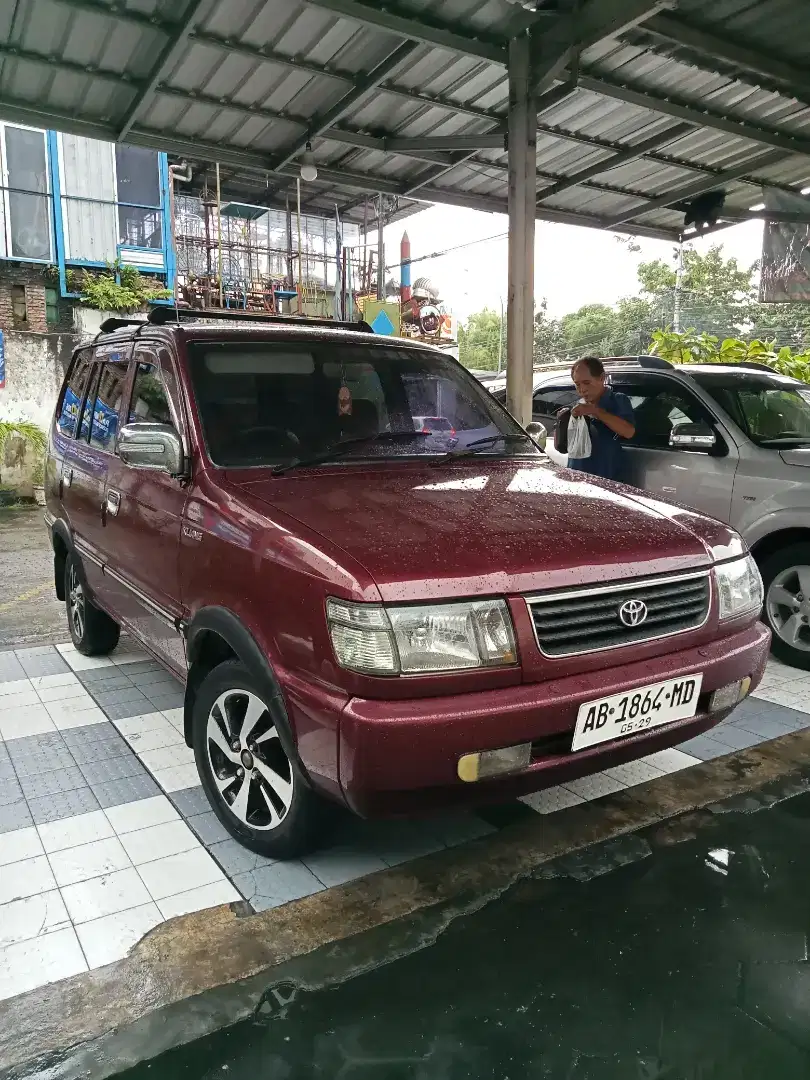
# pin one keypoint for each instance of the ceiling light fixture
(309, 170)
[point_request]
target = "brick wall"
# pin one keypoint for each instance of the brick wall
(33, 280)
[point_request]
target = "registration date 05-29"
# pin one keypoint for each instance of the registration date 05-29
(636, 710)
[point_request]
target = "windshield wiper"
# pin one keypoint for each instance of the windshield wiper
(340, 449)
(471, 449)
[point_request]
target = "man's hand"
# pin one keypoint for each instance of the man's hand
(585, 409)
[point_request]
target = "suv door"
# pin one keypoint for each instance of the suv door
(549, 400)
(143, 512)
(700, 478)
(88, 453)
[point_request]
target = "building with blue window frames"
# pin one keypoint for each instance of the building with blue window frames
(72, 203)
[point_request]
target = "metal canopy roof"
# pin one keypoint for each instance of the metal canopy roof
(642, 104)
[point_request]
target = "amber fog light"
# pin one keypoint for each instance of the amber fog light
(473, 767)
(728, 696)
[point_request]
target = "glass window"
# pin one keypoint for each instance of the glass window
(772, 412)
(29, 226)
(88, 204)
(659, 405)
(73, 395)
(149, 400)
(108, 392)
(139, 228)
(137, 175)
(261, 405)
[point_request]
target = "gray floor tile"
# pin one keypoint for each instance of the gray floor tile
(141, 665)
(705, 748)
(337, 865)
(40, 761)
(36, 650)
(94, 676)
(15, 816)
(64, 805)
(117, 768)
(734, 737)
(33, 744)
(91, 735)
(129, 789)
(42, 784)
(394, 841)
(112, 682)
(764, 726)
(10, 668)
(85, 753)
(160, 702)
(271, 886)
(10, 791)
(236, 859)
(128, 708)
(156, 678)
(208, 828)
(42, 663)
(190, 801)
(458, 828)
(120, 696)
(4, 756)
(6, 771)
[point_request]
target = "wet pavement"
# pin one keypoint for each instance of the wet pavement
(29, 611)
(679, 953)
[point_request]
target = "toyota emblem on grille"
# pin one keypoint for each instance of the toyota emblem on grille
(633, 612)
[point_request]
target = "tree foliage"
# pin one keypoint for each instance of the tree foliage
(478, 341)
(690, 347)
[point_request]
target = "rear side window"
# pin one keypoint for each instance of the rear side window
(660, 405)
(73, 395)
(149, 403)
(107, 397)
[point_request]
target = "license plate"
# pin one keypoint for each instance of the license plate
(636, 710)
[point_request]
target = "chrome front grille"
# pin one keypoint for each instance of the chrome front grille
(587, 620)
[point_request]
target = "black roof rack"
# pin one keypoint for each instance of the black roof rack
(116, 323)
(754, 366)
(164, 315)
(654, 363)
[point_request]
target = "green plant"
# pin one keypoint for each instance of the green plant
(121, 288)
(693, 348)
(27, 429)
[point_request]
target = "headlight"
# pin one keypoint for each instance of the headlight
(395, 640)
(739, 587)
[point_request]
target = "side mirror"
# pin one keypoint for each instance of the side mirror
(694, 436)
(538, 433)
(152, 446)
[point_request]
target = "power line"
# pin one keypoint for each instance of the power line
(447, 251)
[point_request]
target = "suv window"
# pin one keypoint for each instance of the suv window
(73, 395)
(770, 413)
(659, 405)
(550, 399)
(106, 397)
(268, 404)
(149, 400)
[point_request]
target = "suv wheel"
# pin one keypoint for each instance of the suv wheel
(786, 576)
(259, 794)
(92, 630)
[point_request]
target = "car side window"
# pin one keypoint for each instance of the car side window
(149, 402)
(73, 395)
(549, 400)
(660, 405)
(107, 397)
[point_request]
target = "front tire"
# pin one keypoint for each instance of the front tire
(92, 630)
(786, 577)
(256, 790)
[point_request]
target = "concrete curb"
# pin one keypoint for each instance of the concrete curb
(199, 973)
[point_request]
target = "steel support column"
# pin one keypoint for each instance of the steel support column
(522, 189)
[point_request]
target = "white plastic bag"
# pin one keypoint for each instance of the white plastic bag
(579, 438)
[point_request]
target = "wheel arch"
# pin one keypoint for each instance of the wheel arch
(215, 635)
(768, 545)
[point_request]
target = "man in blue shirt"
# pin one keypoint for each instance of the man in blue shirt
(610, 420)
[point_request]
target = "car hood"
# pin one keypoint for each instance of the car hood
(482, 527)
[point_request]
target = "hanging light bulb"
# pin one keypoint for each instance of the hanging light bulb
(309, 170)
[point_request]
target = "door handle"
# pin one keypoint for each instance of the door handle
(112, 503)
(669, 490)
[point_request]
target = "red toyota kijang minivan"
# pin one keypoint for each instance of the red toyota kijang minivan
(369, 612)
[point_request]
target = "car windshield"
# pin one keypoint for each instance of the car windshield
(773, 414)
(275, 404)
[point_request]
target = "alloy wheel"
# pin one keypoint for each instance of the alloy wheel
(248, 763)
(787, 604)
(75, 603)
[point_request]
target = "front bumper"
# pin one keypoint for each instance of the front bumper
(401, 757)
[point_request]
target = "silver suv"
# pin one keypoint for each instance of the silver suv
(732, 441)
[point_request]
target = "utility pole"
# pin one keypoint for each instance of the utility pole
(676, 321)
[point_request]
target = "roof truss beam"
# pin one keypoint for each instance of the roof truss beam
(554, 49)
(469, 143)
(697, 187)
(167, 59)
(416, 28)
(734, 51)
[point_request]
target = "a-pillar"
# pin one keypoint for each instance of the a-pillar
(522, 146)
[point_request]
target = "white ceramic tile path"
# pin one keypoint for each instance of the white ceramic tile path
(105, 832)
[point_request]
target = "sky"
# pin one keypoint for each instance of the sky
(573, 266)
